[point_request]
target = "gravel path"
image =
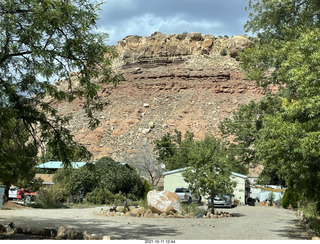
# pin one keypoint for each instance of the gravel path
(254, 223)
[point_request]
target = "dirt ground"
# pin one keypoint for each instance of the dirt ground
(253, 223)
(12, 206)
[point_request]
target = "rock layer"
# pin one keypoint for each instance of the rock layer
(170, 82)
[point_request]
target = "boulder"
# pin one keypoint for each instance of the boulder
(106, 238)
(86, 235)
(71, 234)
(62, 233)
(237, 44)
(164, 202)
(138, 211)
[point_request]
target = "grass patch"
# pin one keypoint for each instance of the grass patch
(193, 208)
(140, 203)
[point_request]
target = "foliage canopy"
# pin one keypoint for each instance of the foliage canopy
(209, 171)
(286, 53)
(172, 150)
(45, 40)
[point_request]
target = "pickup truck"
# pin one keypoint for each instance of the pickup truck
(186, 195)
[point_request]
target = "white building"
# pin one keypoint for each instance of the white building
(174, 179)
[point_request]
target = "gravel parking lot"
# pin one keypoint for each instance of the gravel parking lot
(253, 223)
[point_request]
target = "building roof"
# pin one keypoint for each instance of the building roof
(59, 165)
(174, 171)
(183, 169)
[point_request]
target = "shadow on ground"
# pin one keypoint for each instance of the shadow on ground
(295, 230)
(131, 230)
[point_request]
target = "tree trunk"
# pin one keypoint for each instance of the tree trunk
(6, 194)
(212, 205)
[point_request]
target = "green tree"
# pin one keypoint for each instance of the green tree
(45, 40)
(286, 52)
(117, 177)
(17, 152)
(172, 150)
(244, 126)
(209, 171)
(103, 180)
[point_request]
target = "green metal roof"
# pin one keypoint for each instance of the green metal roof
(59, 165)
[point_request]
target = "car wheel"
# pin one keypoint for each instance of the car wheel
(190, 200)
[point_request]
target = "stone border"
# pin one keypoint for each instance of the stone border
(147, 213)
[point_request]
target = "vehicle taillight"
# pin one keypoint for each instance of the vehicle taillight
(185, 195)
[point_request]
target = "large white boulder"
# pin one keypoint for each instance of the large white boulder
(164, 202)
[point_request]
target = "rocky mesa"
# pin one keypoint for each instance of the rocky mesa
(182, 81)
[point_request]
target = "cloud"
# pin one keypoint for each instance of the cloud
(120, 18)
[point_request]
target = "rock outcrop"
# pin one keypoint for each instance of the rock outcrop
(170, 82)
(175, 47)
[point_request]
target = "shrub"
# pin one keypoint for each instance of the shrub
(100, 196)
(52, 196)
(192, 208)
(271, 197)
(117, 178)
(224, 52)
(146, 187)
(290, 197)
(104, 182)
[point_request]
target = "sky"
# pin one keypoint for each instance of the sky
(120, 18)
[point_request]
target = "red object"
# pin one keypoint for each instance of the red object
(20, 193)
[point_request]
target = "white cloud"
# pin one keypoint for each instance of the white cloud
(121, 18)
(147, 24)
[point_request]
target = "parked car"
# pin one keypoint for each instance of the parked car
(186, 195)
(222, 201)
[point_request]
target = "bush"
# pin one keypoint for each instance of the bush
(52, 196)
(290, 197)
(224, 52)
(100, 196)
(104, 182)
(147, 187)
(314, 224)
(117, 178)
(311, 211)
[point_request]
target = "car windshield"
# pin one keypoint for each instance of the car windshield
(182, 190)
(223, 197)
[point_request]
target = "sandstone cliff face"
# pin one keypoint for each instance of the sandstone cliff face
(170, 82)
